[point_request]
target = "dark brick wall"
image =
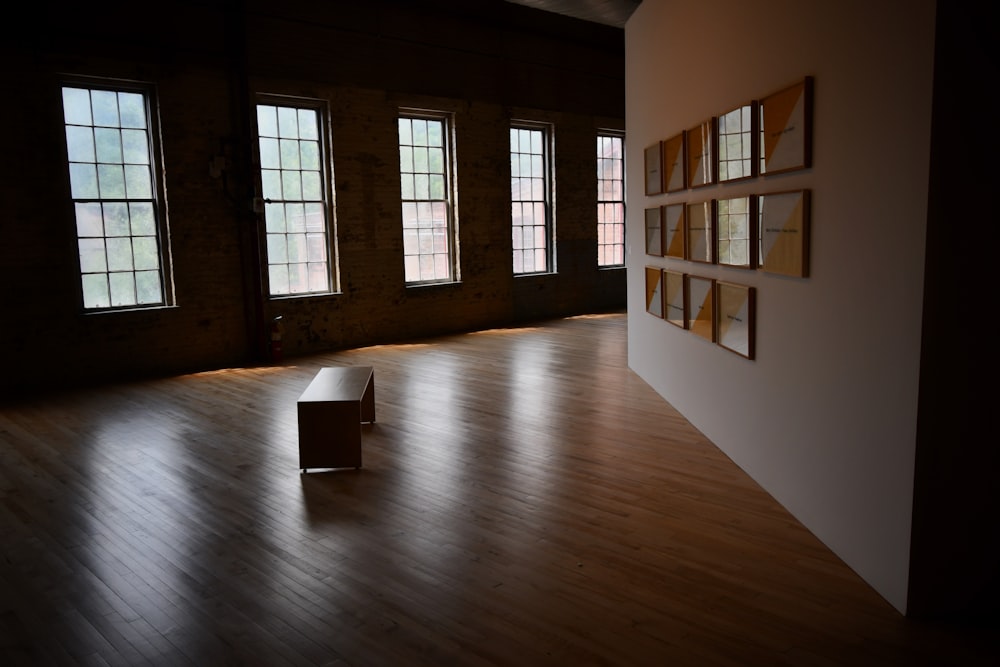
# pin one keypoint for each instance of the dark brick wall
(486, 62)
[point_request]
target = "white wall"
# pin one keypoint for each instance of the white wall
(825, 417)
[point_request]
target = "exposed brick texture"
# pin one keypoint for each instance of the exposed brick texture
(487, 62)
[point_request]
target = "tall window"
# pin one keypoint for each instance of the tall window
(294, 188)
(429, 248)
(114, 186)
(531, 198)
(610, 201)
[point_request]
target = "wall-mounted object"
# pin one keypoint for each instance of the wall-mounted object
(673, 298)
(735, 232)
(699, 221)
(700, 304)
(673, 231)
(786, 129)
(654, 291)
(654, 231)
(654, 171)
(674, 164)
(734, 317)
(701, 149)
(738, 143)
(784, 232)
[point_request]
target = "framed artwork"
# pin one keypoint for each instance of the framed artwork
(700, 306)
(654, 172)
(673, 298)
(735, 232)
(786, 129)
(674, 164)
(700, 143)
(699, 231)
(673, 230)
(654, 291)
(737, 145)
(784, 232)
(654, 231)
(734, 317)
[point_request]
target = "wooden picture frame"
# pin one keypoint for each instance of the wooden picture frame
(786, 129)
(700, 142)
(674, 164)
(654, 231)
(673, 231)
(654, 170)
(674, 294)
(699, 231)
(736, 232)
(735, 313)
(654, 291)
(699, 304)
(737, 143)
(784, 232)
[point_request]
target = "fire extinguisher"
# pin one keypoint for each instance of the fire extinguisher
(276, 339)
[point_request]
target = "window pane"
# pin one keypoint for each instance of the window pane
(122, 289)
(108, 143)
(147, 287)
(95, 290)
(80, 144)
(423, 161)
(269, 156)
(76, 106)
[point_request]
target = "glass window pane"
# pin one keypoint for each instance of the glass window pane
(122, 289)
(135, 148)
(145, 253)
(95, 290)
(147, 287)
(270, 180)
(309, 155)
(133, 110)
(278, 278)
(315, 215)
(80, 144)
(120, 254)
(111, 180)
(105, 108)
(291, 185)
(89, 220)
(92, 256)
(288, 123)
(289, 154)
(137, 183)
(109, 144)
(274, 217)
(267, 120)
(76, 106)
(277, 249)
(269, 156)
(295, 217)
(312, 190)
(143, 220)
(308, 124)
(83, 181)
(116, 219)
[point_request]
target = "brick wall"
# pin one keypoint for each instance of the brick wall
(486, 65)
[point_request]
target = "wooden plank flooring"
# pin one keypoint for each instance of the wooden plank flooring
(525, 500)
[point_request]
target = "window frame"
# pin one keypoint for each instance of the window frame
(157, 198)
(548, 203)
(447, 118)
(619, 136)
(328, 189)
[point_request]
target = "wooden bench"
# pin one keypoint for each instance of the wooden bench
(331, 411)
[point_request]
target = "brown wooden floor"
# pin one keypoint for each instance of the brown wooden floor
(525, 500)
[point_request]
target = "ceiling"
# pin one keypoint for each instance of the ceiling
(608, 12)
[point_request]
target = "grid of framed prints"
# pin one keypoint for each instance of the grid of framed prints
(765, 230)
